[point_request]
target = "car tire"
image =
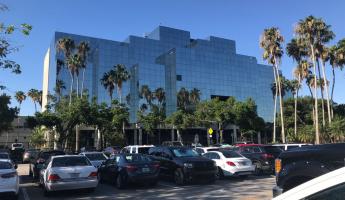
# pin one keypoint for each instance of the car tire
(219, 174)
(120, 183)
(258, 168)
(179, 177)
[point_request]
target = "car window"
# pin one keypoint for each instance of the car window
(207, 155)
(5, 165)
(95, 156)
(143, 150)
(185, 153)
(335, 193)
(199, 150)
(136, 158)
(70, 162)
(117, 159)
(4, 156)
(291, 147)
(231, 154)
(256, 150)
(247, 150)
(46, 155)
(215, 149)
(216, 156)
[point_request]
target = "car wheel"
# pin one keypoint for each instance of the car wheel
(120, 183)
(179, 177)
(219, 174)
(258, 168)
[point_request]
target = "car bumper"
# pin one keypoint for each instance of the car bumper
(191, 176)
(72, 185)
(238, 171)
(9, 186)
(277, 191)
(143, 179)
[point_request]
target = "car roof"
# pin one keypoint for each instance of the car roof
(315, 185)
(64, 156)
(5, 160)
(248, 145)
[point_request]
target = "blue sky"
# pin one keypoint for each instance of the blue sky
(240, 20)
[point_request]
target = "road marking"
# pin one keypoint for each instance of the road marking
(25, 194)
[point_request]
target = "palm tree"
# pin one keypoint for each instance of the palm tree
(183, 98)
(194, 96)
(160, 95)
(34, 95)
(59, 65)
(295, 86)
(20, 97)
(83, 50)
(60, 85)
(108, 81)
(271, 42)
(146, 93)
(121, 75)
(313, 32)
(73, 64)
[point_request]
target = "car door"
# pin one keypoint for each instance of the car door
(216, 157)
(107, 170)
(168, 162)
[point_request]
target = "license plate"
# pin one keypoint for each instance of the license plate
(145, 169)
(74, 175)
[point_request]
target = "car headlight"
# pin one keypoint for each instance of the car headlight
(188, 165)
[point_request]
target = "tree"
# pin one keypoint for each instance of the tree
(194, 96)
(37, 137)
(59, 86)
(121, 75)
(34, 94)
(83, 50)
(183, 99)
(7, 114)
(146, 93)
(20, 97)
(295, 86)
(108, 81)
(271, 42)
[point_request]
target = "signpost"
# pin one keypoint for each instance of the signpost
(210, 131)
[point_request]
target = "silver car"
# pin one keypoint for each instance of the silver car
(96, 158)
(68, 172)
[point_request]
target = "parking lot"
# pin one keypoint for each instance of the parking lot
(231, 188)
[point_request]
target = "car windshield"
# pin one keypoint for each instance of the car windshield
(135, 158)
(4, 156)
(17, 145)
(5, 165)
(144, 150)
(46, 155)
(95, 156)
(231, 154)
(185, 153)
(70, 162)
(273, 149)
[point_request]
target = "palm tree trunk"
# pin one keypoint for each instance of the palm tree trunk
(281, 101)
(296, 97)
(119, 89)
(317, 133)
(82, 84)
(71, 89)
(327, 93)
(322, 98)
(275, 107)
(35, 106)
(77, 86)
(333, 83)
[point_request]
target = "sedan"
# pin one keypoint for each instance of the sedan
(68, 172)
(123, 169)
(231, 163)
(96, 158)
(9, 180)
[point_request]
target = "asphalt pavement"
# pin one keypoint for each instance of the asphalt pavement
(252, 187)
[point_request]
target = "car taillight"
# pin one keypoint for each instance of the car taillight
(267, 156)
(278, 165)
(40, 161)
(9, 175)
(131, 168)
(93, 174)
(230, 163)
(53, 177)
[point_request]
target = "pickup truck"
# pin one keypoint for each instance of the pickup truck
(300, 165)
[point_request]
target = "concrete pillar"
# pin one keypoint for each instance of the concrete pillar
(77, 138)
(172, 135)
(135, 137)
(56, 138)
(140, 136)
(235, 134)
(259, 137)
(96, 139)
(179, 138)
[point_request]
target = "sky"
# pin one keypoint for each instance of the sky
(239, 20)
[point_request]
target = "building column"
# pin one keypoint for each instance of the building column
(172, 134)
(259, 137)
(77, 138)
(56, 138)
(140, 136)
(135, 137)
(179, 138)
(235, 134)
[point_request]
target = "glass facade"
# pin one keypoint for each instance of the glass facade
(171, 59)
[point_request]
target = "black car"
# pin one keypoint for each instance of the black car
(273, 150)
(257, 153)
(183, 164)
(123, 169)
(300, 165)
(36, 163)
(30, 153)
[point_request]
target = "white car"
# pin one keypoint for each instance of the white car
(143, 149)
(328, 186)
(15, 146)
(231, 163)
(68, 172)
(290, 146)
(9, 180)
(96, 158)
(203, 150)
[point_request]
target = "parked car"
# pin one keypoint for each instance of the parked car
(172, 143)
(96, 158)
(15, 146)
(124, 168)
(300, 165)
(5, 155)
(143, 149)
(263, 161)
(111, 150)
(68, 172)
(9, 180)
(30, 154)
(202, 150)
(37, 163)
(231, 163)
(273, 150)
(289, 146)
(327, 186)
(184, 164)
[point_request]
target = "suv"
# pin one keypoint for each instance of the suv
(300, 165)
(37, 163)
(286, 147)
(143, 149)
(183, 164)
(263, 161)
